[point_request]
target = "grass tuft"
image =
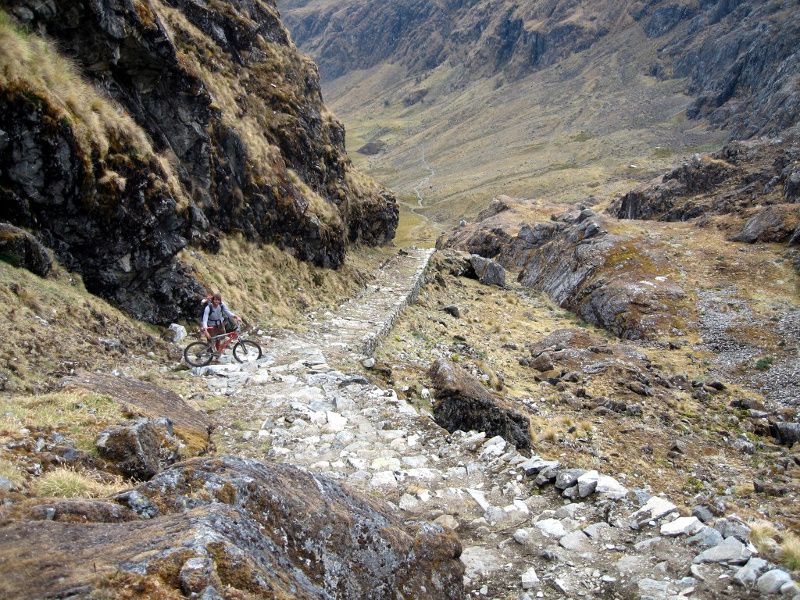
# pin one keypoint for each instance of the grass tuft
(10, 472)
(70, 483)
(761, 534)
(789, 553)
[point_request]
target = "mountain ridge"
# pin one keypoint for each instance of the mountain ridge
(631, 91)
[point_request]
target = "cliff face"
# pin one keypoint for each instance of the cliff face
(740, 58)
(198, 121)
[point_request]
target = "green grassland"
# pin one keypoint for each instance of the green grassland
(590, 125)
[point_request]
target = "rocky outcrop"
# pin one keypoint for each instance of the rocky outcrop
(506, 231)
(741, 71)
(234, 526)
(770, 224)
(21, 249)
(621, 283)
(138, 449)
(224, 132)
(463, 403)
(161, 405)
(741, 175)
(485, 38)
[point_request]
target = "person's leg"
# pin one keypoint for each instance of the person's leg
(213, 331)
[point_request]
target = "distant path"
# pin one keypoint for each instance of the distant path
(425, 181)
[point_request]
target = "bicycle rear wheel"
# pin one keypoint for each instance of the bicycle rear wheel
(246, 351)
(199, 354)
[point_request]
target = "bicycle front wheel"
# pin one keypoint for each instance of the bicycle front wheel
(246, 351)
(198, 354)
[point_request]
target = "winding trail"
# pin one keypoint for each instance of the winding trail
(302, 405)
(425, 181)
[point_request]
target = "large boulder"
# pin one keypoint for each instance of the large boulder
(770, 224)
(148, 399)
(230, 527)
(132, 447)
(488, 271)
(21, 249)
(617, 282)
(463, 403)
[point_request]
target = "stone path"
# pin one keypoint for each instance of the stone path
(529, 527)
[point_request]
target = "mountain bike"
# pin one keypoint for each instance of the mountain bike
(199, 354)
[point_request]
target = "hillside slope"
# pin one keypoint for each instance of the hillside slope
(573, 98)
(169, 124)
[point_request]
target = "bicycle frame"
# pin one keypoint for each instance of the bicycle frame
(230, 335)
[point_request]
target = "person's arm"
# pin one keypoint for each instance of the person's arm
(226, 311)
(205, 316)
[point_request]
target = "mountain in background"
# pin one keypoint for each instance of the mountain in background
(454, 101)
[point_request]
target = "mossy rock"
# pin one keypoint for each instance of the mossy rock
(21, 249)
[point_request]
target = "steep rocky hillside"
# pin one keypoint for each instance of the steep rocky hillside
(741, 58)
(573, 98)
(134, 128)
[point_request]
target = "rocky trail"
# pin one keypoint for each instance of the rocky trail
(529, 526)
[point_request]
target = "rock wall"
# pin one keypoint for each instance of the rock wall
(225, 132)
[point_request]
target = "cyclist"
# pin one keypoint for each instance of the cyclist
(214, 316)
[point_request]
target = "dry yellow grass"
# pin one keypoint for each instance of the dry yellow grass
(30, 63)
(271, 288)
(70, 483)
(9, 471)
(789, 554)
(76, 413)
(56, 327)
(760, 533)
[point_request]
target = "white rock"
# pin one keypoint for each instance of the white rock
(178, 332)
(386, 463)
(610, 487)
(587, 483)
(497, 442)
(408, 502)
(335, 421)
(415, 461)
(576, 541)
(425, 474)
(772, 581)
(552, 528)
(730, 551)
(682, 526)
(480, 560)
(480, 498)
(383, 479)
(529, 579)
(654, 509)
(495, 515)
(522, 536)
(748, 574)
